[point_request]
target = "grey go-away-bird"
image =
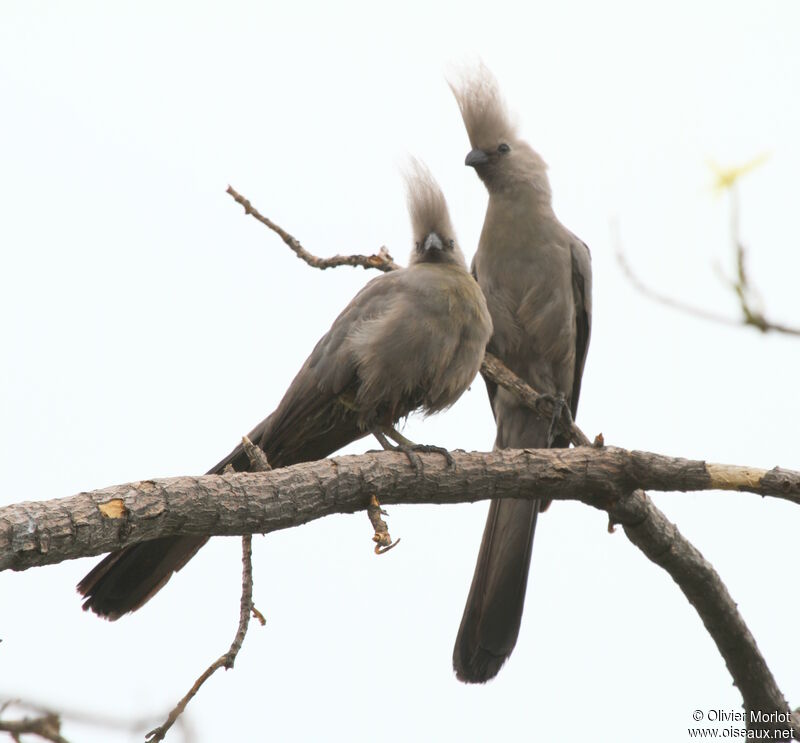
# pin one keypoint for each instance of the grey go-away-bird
(411, 339)
(536, 276)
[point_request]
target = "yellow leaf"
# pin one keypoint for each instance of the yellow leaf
(725, 178)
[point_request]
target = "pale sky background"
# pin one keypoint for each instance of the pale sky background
(147, 324)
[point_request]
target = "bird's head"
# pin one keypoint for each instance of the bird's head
(434, 237)
(501, 159)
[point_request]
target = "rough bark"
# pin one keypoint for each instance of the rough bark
(46, 532)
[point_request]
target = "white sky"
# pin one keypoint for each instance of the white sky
(147, 324)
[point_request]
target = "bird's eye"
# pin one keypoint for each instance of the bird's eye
(503, 148)
(451, 243)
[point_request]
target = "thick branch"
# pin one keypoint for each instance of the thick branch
(46, 532)
(90, 523)
(664, 545)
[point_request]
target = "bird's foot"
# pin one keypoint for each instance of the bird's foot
(409, 448)
(413, 459)
(431, 449)
(559, 405)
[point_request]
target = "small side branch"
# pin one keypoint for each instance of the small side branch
(258, 463)
(42, 720)
(494, 369)
(382, 538)
(746, 295)
(664, 299)
(47, 726)
(225, 661)
(382, 260)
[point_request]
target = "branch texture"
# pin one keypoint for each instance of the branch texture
(46, 532)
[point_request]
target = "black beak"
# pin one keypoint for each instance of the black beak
(476, 157)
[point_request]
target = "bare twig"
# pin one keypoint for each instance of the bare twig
(656, 296)
(747, 296)
(382, 260)
(225, 661)
(92, 718)
(383, 541)
(749, 301)
(258, 463)
(46, 726)
(256, 455)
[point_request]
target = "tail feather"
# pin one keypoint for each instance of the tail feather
(128, 578)
(304, 428)
(493, 613)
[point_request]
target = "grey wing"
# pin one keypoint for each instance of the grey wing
(313, 420)
(491, 387)
(582, 297)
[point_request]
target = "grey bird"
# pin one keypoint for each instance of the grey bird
(410, 339)
(536, 276)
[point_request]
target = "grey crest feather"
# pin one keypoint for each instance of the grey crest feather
(429, 214)
(488, 125)
(482, 107)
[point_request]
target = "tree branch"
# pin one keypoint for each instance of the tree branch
(545, 405)
(382, 260)
(47, 532)
(664, 545)
(664, 299)
(40, 719)
(746, 295)
(242, 503)
(46, 726)
(258, 463)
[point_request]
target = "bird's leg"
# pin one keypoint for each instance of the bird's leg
(559, 404)
(413, 459)
(406, 445)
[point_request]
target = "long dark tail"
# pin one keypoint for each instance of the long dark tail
(304, 428)
(493, 613)
(128, 578)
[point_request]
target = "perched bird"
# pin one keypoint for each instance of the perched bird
(410, 339)
(536, 276)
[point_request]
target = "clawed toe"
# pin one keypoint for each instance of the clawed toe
(431, 449)
(410, 449)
